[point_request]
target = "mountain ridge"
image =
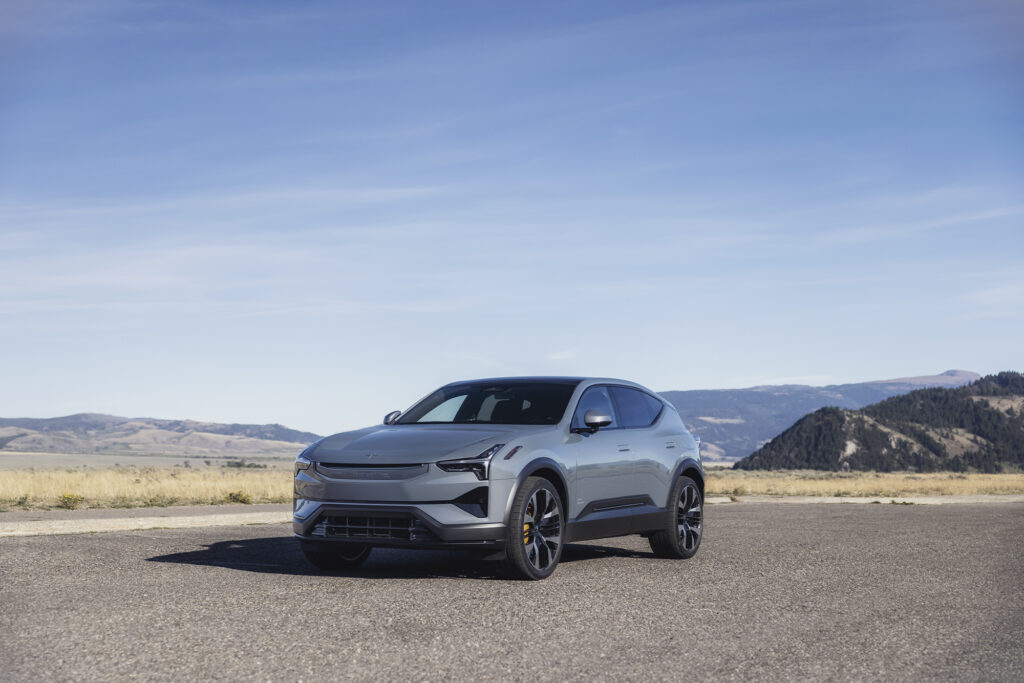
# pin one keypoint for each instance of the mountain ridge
(112, 434)
(979, 427)
(733, 423)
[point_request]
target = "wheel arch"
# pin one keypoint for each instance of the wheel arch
(541, 467)
(692, 469)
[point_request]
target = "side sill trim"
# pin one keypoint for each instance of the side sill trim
(637, 519)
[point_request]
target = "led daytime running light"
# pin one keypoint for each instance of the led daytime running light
(478, 465)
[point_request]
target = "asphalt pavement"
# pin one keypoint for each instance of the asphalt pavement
(777, 591)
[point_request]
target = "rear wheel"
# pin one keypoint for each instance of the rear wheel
(535, 532)
(335, 556)
(684, 524)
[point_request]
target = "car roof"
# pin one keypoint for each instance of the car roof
(518, 380)
(542, 379)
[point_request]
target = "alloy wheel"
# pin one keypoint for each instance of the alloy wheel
(690, 517)
(542, 529)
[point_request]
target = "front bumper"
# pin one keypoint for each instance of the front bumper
(410, 506)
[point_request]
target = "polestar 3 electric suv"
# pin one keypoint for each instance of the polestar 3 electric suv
(515, 467)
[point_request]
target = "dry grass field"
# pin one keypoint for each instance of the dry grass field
(895, 484)
(142, 487)
(162, 486)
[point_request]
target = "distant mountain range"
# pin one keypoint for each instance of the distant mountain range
(733, 423)
(978, 427)
(94, 433)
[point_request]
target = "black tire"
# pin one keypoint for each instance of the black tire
(536, 530)
(684, 523)
(335, 557)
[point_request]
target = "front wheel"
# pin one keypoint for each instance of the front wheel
(334, 557)
(684, 525)
(535, 531)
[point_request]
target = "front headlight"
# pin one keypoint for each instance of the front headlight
(302, 460)
(478, 465)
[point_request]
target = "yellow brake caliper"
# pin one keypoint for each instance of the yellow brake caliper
(526, 531)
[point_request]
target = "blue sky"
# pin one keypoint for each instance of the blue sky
(313, 213)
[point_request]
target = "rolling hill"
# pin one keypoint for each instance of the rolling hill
(976, 427)
(733, 423)
(109, 434)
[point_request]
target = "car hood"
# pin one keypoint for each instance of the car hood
(414, 444)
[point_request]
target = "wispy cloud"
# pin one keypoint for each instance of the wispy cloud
(249, 199)
(261, 276)
(70, 18)
(1005, 301)
(866, 234)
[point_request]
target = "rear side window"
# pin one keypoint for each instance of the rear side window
(654, 405)
(636, 408)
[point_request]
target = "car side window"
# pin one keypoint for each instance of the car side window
(594, 398)
(654, 405)
(636, 409)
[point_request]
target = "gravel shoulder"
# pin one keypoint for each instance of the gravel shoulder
(60, 522)
(997, 499)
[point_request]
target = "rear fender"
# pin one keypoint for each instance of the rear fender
(686, 463)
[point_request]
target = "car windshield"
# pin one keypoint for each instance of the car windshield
(509, 403)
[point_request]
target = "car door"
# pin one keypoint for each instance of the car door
(637, 413)
(604, 461)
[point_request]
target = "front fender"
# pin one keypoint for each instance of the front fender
(535, 465)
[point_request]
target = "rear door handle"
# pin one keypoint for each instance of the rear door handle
(670, 444)
(623, 447)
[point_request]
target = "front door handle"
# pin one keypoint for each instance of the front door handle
(623, 448)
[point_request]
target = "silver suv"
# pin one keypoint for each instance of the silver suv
(515, 467)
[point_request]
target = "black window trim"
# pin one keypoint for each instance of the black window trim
(615, 404)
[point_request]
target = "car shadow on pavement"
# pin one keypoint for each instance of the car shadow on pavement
(282, 556)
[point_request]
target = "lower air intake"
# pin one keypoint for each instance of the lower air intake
(404, 528)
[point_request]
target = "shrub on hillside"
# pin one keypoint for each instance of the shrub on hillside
(239, 497)
(70, 501)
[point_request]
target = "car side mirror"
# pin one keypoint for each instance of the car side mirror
(595, 419)
(392, 417)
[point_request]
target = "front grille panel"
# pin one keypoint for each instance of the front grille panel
(400, 528)
(374, 472)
